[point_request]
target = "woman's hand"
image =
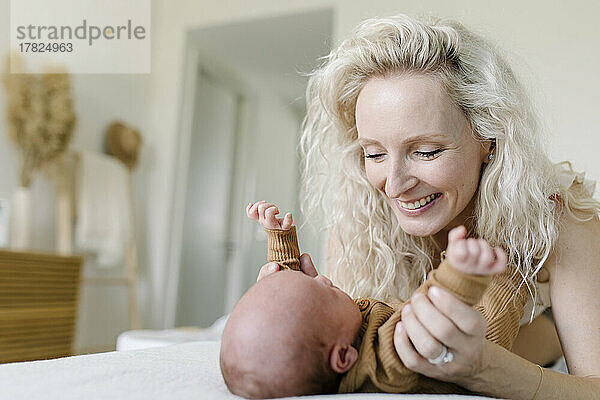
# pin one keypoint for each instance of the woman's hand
(306, 265)
(441, 319)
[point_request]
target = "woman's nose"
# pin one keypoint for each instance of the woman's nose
(399, 180)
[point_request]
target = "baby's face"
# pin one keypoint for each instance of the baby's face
(330, 305)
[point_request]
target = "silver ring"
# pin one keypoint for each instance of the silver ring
(445, 357)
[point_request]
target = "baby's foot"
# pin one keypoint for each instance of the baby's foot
(474, 256)
(265, 213)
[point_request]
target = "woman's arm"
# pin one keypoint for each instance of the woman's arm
(575, 294)
(479, 365)
(507, 375)
(490, 369)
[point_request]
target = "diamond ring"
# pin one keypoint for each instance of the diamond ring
(445, 357)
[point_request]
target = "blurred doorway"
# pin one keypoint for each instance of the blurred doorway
(242, 109)
(207, 202)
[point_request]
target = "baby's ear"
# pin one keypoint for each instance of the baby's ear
(342, 358)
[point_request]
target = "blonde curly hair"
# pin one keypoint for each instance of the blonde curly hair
(519, 200)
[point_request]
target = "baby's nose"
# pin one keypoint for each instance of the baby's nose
(324, 279)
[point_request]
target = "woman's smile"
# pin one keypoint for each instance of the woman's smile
(420, 206)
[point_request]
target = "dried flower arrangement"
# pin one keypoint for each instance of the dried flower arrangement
(40, 117)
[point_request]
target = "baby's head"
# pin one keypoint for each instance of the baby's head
(289, 335)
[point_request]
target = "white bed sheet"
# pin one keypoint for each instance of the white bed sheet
(180, 371)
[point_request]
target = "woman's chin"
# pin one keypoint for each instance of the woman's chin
(421, 232)
(419, 228)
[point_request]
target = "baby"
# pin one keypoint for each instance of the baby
(292, 334)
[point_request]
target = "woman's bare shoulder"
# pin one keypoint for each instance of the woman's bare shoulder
(574, 287)
(578, 243)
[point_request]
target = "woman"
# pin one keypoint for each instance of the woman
(414, 128)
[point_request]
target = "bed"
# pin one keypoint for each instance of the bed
(180, 371)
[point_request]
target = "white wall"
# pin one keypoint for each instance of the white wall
(553, 45)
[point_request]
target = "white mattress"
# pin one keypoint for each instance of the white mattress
(180, 371)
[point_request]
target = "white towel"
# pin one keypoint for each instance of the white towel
(103, 209)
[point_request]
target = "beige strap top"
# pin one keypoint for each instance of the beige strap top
(566, 177)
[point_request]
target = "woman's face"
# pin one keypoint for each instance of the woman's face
(419, 152)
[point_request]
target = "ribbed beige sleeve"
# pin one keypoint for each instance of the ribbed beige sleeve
(502, 306)
(378, 367)
(466, 287)
(282, 246)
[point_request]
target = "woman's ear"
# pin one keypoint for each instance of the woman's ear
(488, 150)
(342, 358)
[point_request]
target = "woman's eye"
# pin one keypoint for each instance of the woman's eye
(376, 156)
(428, 154)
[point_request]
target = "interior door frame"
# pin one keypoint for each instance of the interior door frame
(197, 58)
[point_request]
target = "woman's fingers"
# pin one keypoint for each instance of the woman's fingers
(467, 319)
(404, 348)
(424, 342)
(267, 269)
(307, 266)
(436, 323)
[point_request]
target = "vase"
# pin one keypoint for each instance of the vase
(20, 221)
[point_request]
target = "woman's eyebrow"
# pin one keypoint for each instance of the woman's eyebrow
(364, 141)
(410, 140)
(423, 138)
